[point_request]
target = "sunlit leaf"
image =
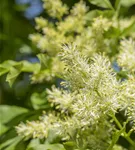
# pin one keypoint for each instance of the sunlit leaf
(129, 29)
(117, 3)
(10, 144)
(13, 73)
(127, 3)
(44, 61)
(9, 112)
(3, 128)
(15, 68)
(96, 13)
(30, 67)
(39, 100)
(102, 3)
(5, 66)
(35, 145)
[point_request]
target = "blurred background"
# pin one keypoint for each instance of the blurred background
(16, 23)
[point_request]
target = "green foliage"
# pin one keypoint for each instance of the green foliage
(104, 3)
(7, 113)
(15, 68)
(35, 144)
(80, 46)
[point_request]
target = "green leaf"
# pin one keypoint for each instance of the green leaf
(96, 13)
(10, 144)
(35, 145)
(45, 61)
(30, 67)
(15, 68)
(3, 128)
(13, 73)
(128, 30)
(117, 7)
(127, 3)
(42, 59)
(9, 112)
(21, 145)
(70, 143)
(5, 66)
(39, 101)
(117, 3)
(3, 70)
(102, 3)
(52, 147)
(112, 33)
(52, 137)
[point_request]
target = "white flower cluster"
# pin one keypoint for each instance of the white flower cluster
(36, 129)
(88, 103)
(60, 98)
(101, 24)
(55, 8)
(127, 97)
(126, 58)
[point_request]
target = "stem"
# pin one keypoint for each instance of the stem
(117, 121)
(129, 133)
(125, 135)
(129, 140)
